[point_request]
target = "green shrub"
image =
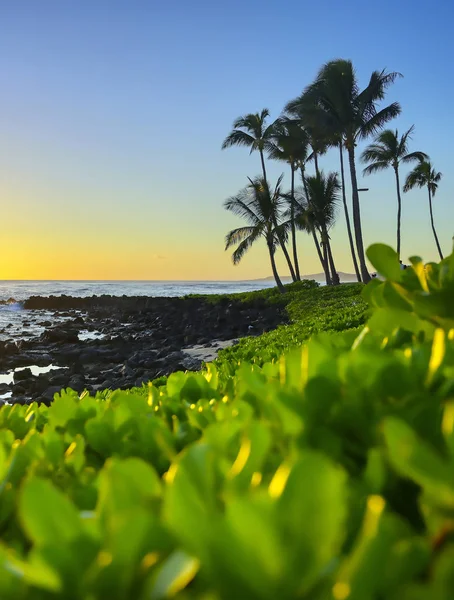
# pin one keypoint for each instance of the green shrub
(326, 474)
(311, 311)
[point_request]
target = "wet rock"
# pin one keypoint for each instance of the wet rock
(77, 383)
(60, 378)
(48, 395)
(60, 336)
(22, 375)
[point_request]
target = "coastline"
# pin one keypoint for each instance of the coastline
(110, 342)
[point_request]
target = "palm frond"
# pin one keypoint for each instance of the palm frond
(239, 205)
(423, 175)
(236, 236)
(375, 167)
(238, 138)
(243, 247)
(379, 119)
(376, 153)
(403, 144)
(378, 83)
(412, 156)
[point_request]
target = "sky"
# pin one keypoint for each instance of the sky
(113, 112)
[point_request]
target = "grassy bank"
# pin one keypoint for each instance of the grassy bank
(324, 474)
(311, 310)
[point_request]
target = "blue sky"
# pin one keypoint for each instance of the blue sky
(112, 115)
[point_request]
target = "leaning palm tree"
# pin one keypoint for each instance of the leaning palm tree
(353, 114)
(261, 209)
(389, 150)
(322, 199)
(424, 175)
(251, 131)
(290, 145)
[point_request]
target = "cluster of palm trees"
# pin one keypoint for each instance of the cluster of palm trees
(331, 112)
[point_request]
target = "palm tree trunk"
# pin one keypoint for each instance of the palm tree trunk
(303, 177)
(334, 276)
(284, 250)
(281, 288)
(292, 219)
(433, 225)
(263, 164)
(320, 255)
(399, 209)
(317, 245)
(357, 215)
(347, 218)
(329, 281)
(316, 163)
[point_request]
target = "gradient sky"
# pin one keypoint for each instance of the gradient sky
(112, 116)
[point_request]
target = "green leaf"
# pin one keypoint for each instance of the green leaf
(311, 512)
(385, 260)
(47, 515)
(177, 571)
(62, 409)
(126, 485)
(415, 459)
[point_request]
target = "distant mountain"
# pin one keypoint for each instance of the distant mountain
(344, 277)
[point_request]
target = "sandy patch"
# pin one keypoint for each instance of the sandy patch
(207, 353)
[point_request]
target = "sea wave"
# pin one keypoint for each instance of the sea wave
(11, 304)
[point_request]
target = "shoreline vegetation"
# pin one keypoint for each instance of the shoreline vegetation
(330, 438)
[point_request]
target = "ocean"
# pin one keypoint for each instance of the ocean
(17, 323)
(12, 291)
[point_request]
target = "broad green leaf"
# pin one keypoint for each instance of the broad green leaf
(62, 409)
(126, 485)
(46, 514)
(311, 512)
(177, 571)
(385, 260)
(414, 459)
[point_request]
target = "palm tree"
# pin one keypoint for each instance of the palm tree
(389, 150)
(251, 131)
(290, 145)
(306, 115)
(322, 199)
(424, 175)
(305, 220)
(306, 108)
(353, 115)
(261, 209)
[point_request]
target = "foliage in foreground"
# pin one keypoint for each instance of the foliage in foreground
(326, 474)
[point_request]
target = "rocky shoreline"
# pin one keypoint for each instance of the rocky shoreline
(104, 342)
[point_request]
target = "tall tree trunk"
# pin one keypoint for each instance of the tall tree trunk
(357, 215)
(334, 275)
(399, 209)
(347, 218)
(274, 269)
(284, 250)
(433, 226)
(328, 278)
(303, 177)
(317, 172)
(263, 164)
(292, 219)
(320, 255)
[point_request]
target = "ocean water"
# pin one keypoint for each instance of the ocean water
(17, 323)
(17, 291)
